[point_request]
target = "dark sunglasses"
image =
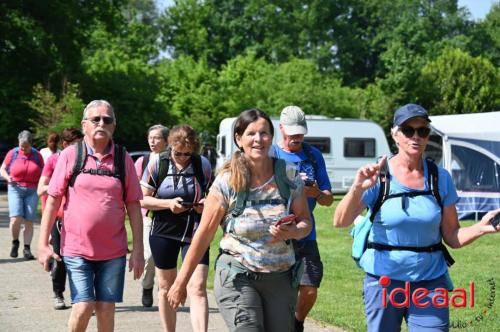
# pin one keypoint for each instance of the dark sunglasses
(185, 154)
(96, 119)
(408, 131)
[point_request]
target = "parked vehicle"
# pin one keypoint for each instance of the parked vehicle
(346, 145)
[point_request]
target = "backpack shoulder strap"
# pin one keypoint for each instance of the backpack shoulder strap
(384, 190)
(310, 156)
(119, 163)
(145, 161)
(81, 155)
(37, 157)
(15, 153)
(285, 185)
(433, 180)
(198, 171)
(163, 164)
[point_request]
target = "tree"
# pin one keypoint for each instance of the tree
(53, 114)
(458, 83)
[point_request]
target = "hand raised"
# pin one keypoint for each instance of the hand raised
(367, 175)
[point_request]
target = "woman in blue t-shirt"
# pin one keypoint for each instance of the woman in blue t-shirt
(404, 244)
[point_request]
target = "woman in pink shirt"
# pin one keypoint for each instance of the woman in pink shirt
(22, 168)
(58, 269)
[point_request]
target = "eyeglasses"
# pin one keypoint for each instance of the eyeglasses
(97, 119)
(408, 131)
(185, 154)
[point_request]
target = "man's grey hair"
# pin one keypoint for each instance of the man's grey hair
(25, 137)
(164, 130)
(97, 103)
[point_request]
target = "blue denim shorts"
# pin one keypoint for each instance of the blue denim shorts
(95, 280)
(23, 202)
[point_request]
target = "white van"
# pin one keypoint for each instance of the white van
(346, 145)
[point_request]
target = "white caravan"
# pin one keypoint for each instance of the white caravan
(346, 144)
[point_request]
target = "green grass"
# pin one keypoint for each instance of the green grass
(340, 296)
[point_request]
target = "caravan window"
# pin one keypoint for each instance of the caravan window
(359, 147)
(321, 143)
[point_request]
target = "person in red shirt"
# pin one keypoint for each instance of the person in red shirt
(21, 169)
(58, 269)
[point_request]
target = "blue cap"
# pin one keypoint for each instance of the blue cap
(409, 111)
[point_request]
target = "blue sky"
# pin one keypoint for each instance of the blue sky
(477, 8)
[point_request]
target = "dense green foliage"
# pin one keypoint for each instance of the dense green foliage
(201, 61)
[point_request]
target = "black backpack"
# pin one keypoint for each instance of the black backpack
(196, 162)
(81, 156)
(361, 244)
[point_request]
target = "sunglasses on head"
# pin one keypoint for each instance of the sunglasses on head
(185, 154)
(96, 119)
(408, 131)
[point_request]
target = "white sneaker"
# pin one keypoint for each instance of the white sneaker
(59, 303)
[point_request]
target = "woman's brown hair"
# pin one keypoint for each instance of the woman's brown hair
(238, 166)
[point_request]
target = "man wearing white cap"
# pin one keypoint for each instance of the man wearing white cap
(311, 165)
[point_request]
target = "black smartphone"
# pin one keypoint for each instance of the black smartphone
(309, 182)
(495, 220)
(187, 204)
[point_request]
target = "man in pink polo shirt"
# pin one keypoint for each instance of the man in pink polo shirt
(93, 236)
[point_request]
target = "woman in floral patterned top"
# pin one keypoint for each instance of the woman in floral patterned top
(256, 274)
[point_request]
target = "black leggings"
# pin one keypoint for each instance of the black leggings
(165, 252)
(58, 269)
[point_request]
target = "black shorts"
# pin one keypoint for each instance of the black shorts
(166, 251)
(313, 267)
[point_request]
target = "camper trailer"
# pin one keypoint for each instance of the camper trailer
(346, 145)
(468, 146)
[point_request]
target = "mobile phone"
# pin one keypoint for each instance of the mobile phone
(187, 204)
(309, 182)
(495, 220)
(285, 220)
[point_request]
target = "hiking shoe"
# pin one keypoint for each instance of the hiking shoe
(59, 302)
(28, 255)
(147, 297)
(14, 249)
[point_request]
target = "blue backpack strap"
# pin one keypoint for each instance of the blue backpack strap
(36, 157)
(15, 153)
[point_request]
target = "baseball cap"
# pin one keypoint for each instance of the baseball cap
(293, 120)
(409, 111)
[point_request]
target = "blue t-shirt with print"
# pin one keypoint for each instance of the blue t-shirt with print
(416, 222)
(304, 165)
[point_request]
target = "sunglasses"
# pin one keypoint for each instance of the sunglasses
(97, 119)
(408, 131)
(185, 154)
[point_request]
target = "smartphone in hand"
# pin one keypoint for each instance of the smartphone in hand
(309, 182)
(187, 204)
(495, 220)
(285, 220)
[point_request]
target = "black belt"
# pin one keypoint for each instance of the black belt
(432, 248)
